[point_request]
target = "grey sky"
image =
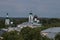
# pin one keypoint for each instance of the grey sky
(21, 8)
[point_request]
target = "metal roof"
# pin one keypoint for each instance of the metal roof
(51, 32)
(54, 29)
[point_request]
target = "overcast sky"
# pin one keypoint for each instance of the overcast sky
(21, 8)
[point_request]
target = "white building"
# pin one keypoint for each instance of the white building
(11, 29)
(51, 32)
(33, 22)
(7, 20)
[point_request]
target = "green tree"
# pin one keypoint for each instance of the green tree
(28, 33)
(57, 37)
(13, 35)
(25, 33)
(2, 24)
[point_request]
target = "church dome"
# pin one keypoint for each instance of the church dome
(30, 13)
(35, 16)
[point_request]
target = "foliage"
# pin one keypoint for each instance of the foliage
(25, 33)
(28, 33)
(10, 35)
(2, 25)
(57, 37)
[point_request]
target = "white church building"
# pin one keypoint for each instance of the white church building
(32, 22)
(7, 20)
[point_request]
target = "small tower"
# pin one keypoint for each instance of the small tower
(7, 20)
(30, 17)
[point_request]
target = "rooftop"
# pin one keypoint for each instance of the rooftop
(54, 29)
(51, 32)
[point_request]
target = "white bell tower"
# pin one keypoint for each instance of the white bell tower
(7, 20)
(30, 17)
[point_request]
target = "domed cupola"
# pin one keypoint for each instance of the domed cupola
(35, 16)
(31, 13)
(31, 17)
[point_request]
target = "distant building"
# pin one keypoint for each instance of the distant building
(51, 32)
(33, 22)
(11, 29)
(7, 20)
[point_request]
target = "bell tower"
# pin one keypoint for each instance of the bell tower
(31, 17)
(7, 20)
